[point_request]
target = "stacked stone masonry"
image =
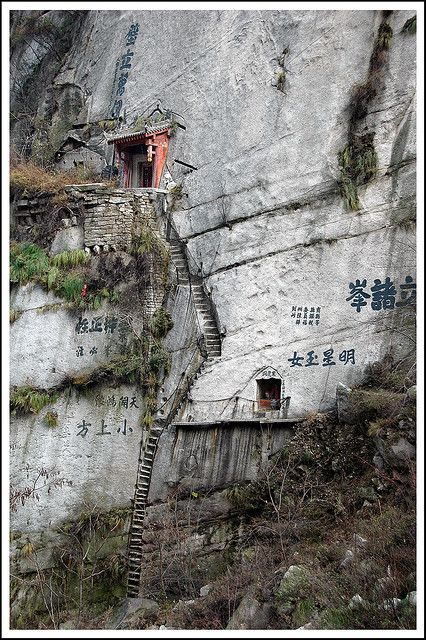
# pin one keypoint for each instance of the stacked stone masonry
(111, 216)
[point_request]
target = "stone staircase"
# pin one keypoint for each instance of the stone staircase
(206, 315)
(139, 509)
(208, 321)
(179, 260)
(202, 302)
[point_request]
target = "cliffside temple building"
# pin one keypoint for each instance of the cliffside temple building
(142, 155)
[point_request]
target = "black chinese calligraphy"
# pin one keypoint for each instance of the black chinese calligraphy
(382, 295)
(97, 325)
(79, 352)
(124, 402)
(83, 428)
(306, 315)
(328, 358)
(124, 63)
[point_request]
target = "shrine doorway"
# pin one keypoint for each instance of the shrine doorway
(142, 171)
(268, 394)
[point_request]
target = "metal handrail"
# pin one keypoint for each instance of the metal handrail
(242, 408)
(191, 261)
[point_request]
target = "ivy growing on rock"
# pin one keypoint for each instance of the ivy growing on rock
(410, 26)
(29, 400)
(358, 162)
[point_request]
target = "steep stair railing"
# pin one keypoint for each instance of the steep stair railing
(134, 551)
(144, 473)
(190, 273)
(181, 257)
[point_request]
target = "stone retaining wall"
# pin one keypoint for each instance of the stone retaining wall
(111, 215)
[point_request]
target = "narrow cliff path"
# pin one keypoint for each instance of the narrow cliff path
(207, 318)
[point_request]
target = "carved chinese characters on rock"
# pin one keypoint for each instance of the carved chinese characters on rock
(92, 327)
(103, 429)
(124, 64)
(382, 294)
(328, 358)
(306, 315)
(113, 425)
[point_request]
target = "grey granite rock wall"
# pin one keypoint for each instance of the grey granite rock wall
(261, 208)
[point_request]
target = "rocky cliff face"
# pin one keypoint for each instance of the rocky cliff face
(266, 99)
(296, 158)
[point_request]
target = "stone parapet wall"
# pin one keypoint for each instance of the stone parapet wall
(111, 216)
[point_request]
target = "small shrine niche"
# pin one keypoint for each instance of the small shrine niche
(269, 390)
(141, 155)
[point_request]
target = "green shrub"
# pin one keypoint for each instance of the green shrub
(69, 259)
(27, 262)
(70, 288)
(358, 165)
(337, 618)
(28, 400)
(384, 36)
(303, 611)
(148, 242)
(52, 278)
(148, 419)
(244, 497)
(51, 419)
(158, 359)
(281, 78)
(128, 368)
(410, 26)
(367, 405)
(28, 179)
(14, 314)
(161, 323)
(139, 124)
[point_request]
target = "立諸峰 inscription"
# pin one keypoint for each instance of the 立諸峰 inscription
(383, 294)
(99, 324)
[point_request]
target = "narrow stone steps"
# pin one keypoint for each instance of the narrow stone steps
(133, 587)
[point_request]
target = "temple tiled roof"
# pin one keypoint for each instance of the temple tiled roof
(127, 136)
